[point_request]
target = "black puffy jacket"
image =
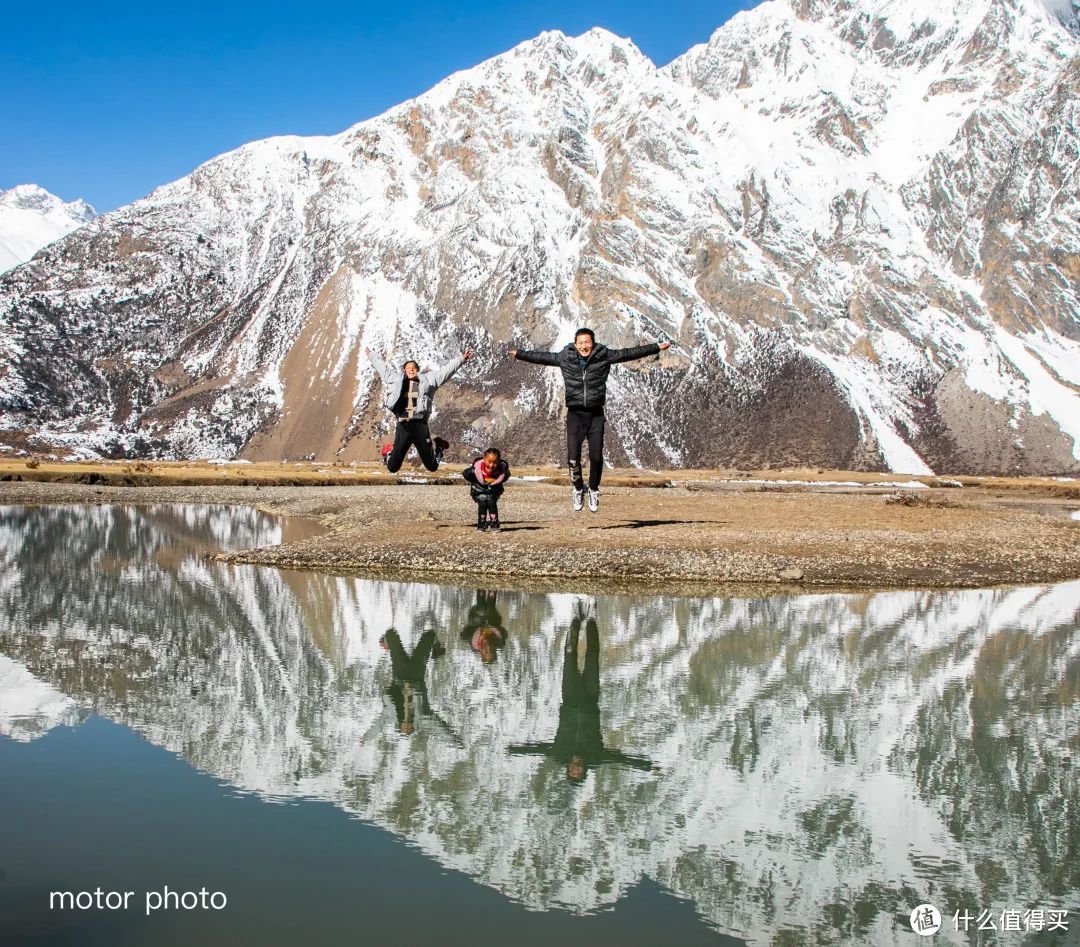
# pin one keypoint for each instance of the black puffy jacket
(587, 389)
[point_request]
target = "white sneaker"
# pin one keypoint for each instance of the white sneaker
(579, 500)
(594, 501)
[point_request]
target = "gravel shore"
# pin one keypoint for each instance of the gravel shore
(698, 536)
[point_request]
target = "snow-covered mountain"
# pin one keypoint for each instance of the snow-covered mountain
(854, 752)
(31, 218)
(860, 221)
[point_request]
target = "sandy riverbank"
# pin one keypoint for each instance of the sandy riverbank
(707, 530)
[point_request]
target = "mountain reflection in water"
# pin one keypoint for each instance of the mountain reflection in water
(804, 764)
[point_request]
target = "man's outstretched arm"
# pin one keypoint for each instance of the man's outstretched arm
(633, 762)
(636, 352)
(531, 749)
(537, 358)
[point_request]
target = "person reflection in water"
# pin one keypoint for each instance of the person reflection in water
(578, 741)
(483, 627)
(408, 689)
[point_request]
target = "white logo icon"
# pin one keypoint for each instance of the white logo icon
(925, 920)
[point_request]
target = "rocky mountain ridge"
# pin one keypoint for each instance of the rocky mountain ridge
(857, 222)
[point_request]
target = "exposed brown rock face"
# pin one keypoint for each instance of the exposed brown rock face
(861, 234)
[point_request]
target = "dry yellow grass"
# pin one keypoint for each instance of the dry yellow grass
(302, 473)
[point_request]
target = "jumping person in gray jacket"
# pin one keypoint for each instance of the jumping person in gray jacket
(408, 394)
(585, 366)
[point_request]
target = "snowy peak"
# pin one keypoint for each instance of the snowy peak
(34, 198)
(597, 46)
(541, 69)
(31, 217)
(906, 18)
(818, 44)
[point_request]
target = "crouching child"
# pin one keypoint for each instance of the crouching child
(486, 477)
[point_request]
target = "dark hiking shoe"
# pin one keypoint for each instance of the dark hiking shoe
(440, 447)
(437, 649)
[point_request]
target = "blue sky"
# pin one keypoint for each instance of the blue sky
(106, 101)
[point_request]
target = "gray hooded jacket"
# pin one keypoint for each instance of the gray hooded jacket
(430, 380)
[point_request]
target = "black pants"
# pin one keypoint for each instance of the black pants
(584, 426)
(405, 666)
(410, 434)
(581, 688)
(408, 691)
(487, 498)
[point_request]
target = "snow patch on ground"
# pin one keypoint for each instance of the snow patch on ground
(1046, 395)
(878, 407)
(892, 484)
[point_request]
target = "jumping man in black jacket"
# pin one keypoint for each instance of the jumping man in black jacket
(585, 366)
